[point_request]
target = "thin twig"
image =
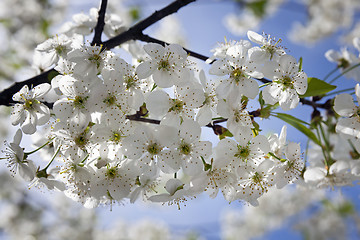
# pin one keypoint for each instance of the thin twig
(100, 24)
(135, 117)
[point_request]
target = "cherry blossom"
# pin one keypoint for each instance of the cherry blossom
(344, 106)
(30, 112)
(287, 83)
(166, 65)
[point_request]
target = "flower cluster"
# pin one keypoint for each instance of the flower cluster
(121, 131)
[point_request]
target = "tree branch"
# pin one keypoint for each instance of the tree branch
(137, 118)
(100, 24)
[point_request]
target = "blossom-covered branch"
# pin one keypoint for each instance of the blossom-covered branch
(133, 33)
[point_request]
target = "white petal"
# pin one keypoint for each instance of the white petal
(219, 68)
(357, 92)
(158, 103)
(344, 105)
(314, 174)
(255, 37)
(172, 185)
(288, 64)
(43, 114)
(300, 82)
(262, 142)
(190, 131)
(271, 94)
(192, 166)
(204, 116)
(145, 69)
(17, 114)
(29, 125)
(163, 78)
(249, 88)
(154, 50)
(41, 90)
(292, 151)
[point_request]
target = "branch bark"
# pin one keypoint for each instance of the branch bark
(99, 28)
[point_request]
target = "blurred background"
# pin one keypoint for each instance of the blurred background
(307, 28)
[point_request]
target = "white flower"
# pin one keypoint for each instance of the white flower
(235, 111)
(166, 65)
(16, 158)
(189, 150)
(30, 112)
(344, 106)
(246, 152)
(73, 139)
(290, 170)
(346, 60)
(55, 48)
(220, 50)
(255, 182)
(268, 49)
(172, 111)
(215, 179)
(177, 192)
(134, 87)
(287, 83)
(240, 68)
(277, 143)
(148, 146)
(83, 24)
(76, 107)
(208, 109)
(144, 185)
(90, 60)
(43, 178)
(114, 181)
(339, 174)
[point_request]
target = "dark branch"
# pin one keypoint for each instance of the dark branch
(263, 80)
(327, 105)
(148, 39)
(137, 118)
(100, 24)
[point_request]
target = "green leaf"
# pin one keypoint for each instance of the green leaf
(134, 12)
(257, 7)
(52, 74)
(299, 125)
(261, 99)
(227, 133)
(317, 87)
(154, 87)
(300, 64)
